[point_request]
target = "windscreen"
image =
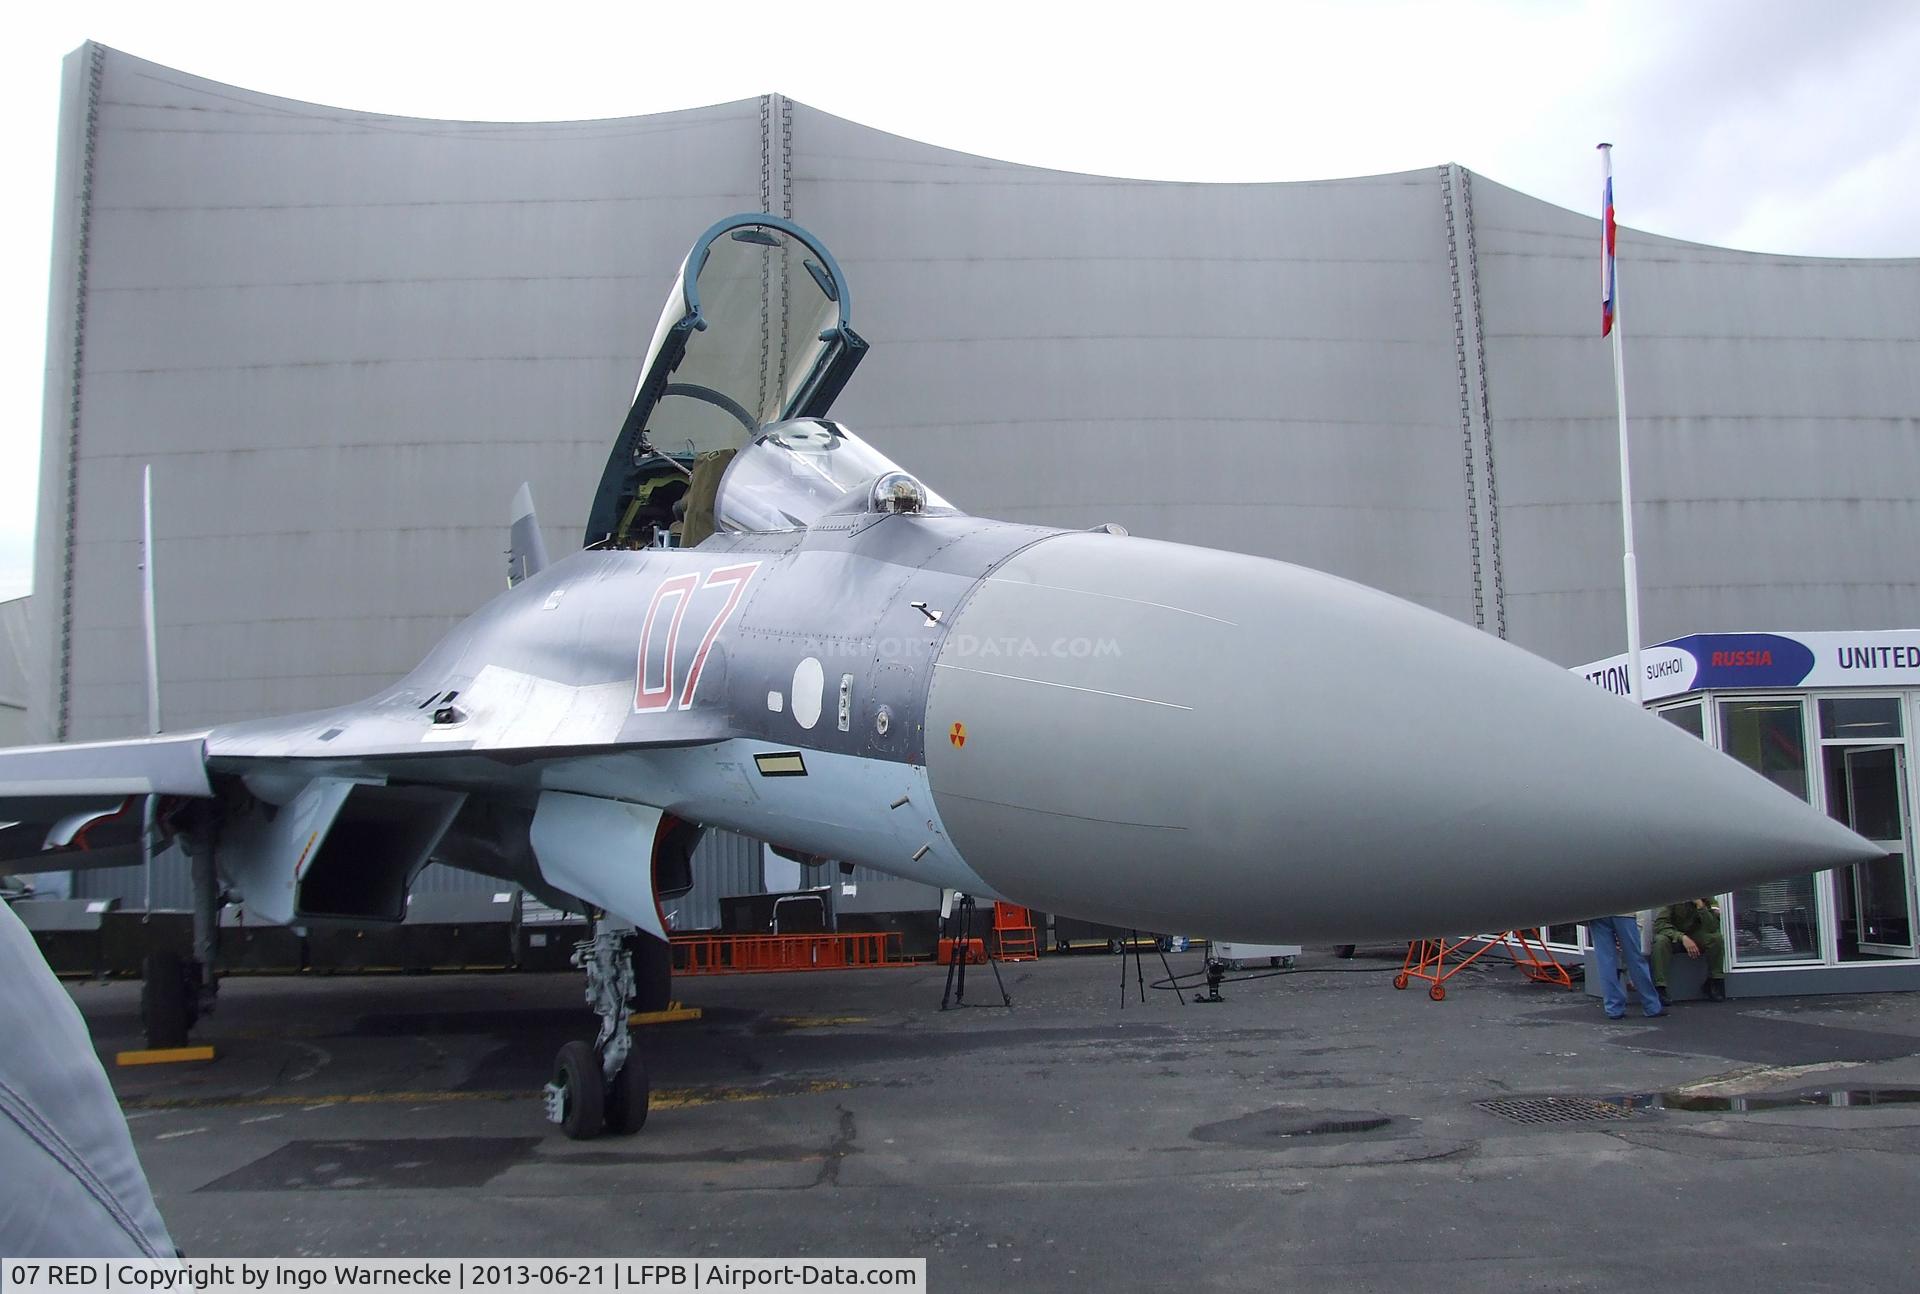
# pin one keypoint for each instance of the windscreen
(792, 474)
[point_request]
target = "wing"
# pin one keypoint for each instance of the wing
(80, 806)
(332, 813)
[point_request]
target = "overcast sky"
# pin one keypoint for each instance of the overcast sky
(1759, 124)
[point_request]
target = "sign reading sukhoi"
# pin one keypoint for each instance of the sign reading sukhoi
(1698, 662)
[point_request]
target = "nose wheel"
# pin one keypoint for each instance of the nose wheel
(602, 1086)
(577, 1096)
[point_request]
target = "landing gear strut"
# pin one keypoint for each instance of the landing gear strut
(178, 991)
(602, 1086)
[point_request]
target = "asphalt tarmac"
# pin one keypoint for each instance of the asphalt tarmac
(1316, 1130)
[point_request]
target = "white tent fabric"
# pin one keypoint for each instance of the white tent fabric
(13, 672)
(72, 1186)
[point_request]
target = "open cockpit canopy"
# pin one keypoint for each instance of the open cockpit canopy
(754, 332)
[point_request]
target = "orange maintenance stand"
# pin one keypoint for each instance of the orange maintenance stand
(1427, 959)
(1014, 939)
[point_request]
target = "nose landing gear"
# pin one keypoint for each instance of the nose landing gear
(602, 1086)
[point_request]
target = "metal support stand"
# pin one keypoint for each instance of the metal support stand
(1140, 974)
(1172, 979)
(1216, 973)
(960, 927)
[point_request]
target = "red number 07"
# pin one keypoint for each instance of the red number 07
(679, 591)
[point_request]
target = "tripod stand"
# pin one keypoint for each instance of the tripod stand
(1139, 972)
(960, 931)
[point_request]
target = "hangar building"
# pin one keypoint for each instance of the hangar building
(13, 672)
(343, 339)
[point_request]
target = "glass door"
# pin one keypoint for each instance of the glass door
(1876, 778)
(1775, 922)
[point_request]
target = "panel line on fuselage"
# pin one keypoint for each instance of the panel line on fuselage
(1113, 597)
(1069, 687)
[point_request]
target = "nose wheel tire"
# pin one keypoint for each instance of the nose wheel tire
(582, 1091)
(627, 1097)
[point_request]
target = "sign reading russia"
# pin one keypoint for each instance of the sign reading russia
(1698, 662)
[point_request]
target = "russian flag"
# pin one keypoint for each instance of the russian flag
(1606, 246)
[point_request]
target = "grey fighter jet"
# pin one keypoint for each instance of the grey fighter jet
(784, 633)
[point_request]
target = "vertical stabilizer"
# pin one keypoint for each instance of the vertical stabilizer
(526, 551)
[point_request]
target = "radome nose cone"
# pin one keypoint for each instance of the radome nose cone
(1220, 745)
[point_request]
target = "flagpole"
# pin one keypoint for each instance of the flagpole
(1610, 286)
(150, 807)
(146, 599)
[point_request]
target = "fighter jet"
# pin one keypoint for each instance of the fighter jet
(782, 632)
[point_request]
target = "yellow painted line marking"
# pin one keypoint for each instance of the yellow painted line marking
(317, 1102)
(163, 1056)
(664, 1098)
(667, 1016)
(818, 1021)
(681, 1098)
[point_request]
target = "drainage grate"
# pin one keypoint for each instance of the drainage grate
(1554, 1109)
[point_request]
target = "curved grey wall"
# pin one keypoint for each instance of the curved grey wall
(342, 339)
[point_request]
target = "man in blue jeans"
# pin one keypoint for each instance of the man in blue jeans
(1624, 930)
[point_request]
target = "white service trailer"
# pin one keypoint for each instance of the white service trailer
(1240, 956)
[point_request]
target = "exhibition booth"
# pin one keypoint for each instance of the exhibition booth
(1827, 717)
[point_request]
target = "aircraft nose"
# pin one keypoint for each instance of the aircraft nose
(1145, 733)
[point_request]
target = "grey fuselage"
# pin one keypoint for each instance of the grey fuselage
(1120, 729)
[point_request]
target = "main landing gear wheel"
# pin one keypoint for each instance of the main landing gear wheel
(627, 1097)
(1400, 980)
(166, 1004)
(578, 1091)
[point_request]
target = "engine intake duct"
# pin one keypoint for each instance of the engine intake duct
(365, 860)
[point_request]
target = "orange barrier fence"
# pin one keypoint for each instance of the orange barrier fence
(746, 954)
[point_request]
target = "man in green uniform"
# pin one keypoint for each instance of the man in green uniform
(1694, 927)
